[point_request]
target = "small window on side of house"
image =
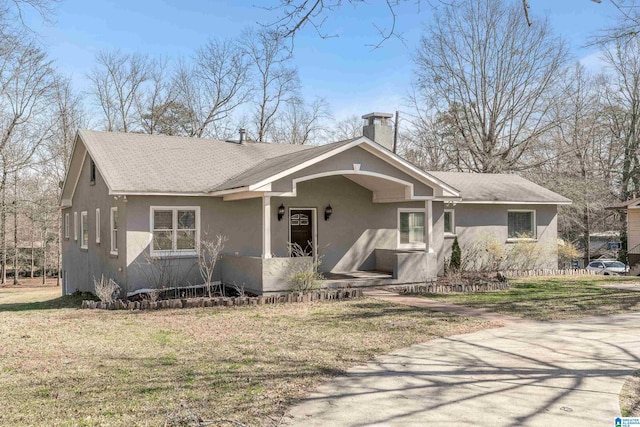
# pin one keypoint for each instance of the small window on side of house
(84, 227)
(449, 222)
(75, 226)
(98, 226)
(66, 225)
(113, 221)
(521, 224)
(92, 172)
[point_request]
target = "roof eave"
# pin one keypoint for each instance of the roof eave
(516, 202)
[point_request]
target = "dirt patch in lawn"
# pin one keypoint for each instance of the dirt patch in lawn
(630, 396)
(92, 367)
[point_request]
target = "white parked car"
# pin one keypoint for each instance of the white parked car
(608, 267)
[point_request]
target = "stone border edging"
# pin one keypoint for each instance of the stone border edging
(436, 288)
(323, 295)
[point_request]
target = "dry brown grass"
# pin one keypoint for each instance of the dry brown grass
(630, 396)
(75, 367)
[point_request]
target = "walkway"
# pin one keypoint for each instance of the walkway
(525, 374)
(445, 307)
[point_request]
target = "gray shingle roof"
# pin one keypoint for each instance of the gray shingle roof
(485, 187)
(275, 165)
(140, 163)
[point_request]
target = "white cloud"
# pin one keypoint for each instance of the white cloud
(593, 62)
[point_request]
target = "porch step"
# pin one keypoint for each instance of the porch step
(357, 279)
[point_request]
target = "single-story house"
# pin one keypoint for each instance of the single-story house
(632, 210)
(135, 208)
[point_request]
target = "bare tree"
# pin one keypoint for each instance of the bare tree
(208, 256)
(347, 128)
(622, 97)
(576, 171)
(12, 12)
(210, 90)
(157, 102)
(276, 79)
(117, 80)
(293, 16)
(68, 117)
(627, 22)
(301, 123)
(26, 84)
(494, 77)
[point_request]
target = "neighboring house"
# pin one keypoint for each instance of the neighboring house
(135, 208)
(632, 210)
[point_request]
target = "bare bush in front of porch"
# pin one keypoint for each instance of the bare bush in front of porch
(106, 289)
(303, 277)
(209, 254)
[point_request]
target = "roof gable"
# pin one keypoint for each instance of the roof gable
(272, 170)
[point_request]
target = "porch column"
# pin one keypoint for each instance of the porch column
(428, 226)
(266, 226)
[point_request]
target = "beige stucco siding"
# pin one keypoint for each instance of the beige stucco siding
(633, 221)
(476, 222)
(80, 266)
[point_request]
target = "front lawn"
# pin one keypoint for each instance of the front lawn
(64, 366)
(545, 298)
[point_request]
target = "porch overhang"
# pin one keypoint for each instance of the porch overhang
(384, 188)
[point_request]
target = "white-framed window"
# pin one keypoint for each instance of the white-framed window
(521, 224)
(411, 223)
(75, 226)
(175, 230)
(113, 225)
(449, 222)
(98, 225)
(66, 225)
(84, 227)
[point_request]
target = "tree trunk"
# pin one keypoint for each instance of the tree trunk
(44, 251)
(59, 250)
(15, 230)
(33, 254)
(3, 222)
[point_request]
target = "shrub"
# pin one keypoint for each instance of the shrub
(106, 289)
(209, 254)
(302, 277)
(567, 252)
(456, 255)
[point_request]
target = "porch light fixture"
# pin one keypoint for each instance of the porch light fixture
(280, 212)
(328, 211)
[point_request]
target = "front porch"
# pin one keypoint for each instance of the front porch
(273, 275)
(362, 218)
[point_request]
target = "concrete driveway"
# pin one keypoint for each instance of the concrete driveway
(526, 374)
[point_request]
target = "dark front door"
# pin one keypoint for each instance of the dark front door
(301, 223)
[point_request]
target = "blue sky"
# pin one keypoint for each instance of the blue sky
(343, 70)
